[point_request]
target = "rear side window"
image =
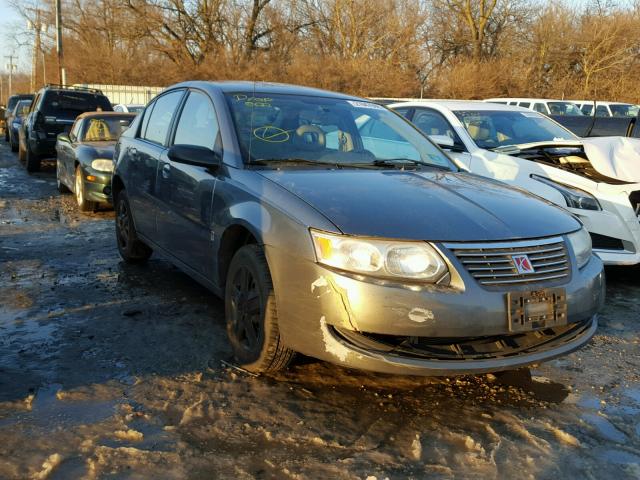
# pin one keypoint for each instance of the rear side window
(587, 108)
(525, 104)
(539, 107)
(601, 111)
(71, 104)
(155, 129)
(198, 124)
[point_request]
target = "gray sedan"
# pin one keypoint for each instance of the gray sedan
(332, 227)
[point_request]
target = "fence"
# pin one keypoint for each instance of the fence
(127, 94)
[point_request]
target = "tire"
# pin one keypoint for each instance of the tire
(84, 205)
(32, 161)
(251, 315)
(131, 248)
(13, 144)
(62, 188)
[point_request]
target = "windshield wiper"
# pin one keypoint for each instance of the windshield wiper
(292, 161)
(400, 163)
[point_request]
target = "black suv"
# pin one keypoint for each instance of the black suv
(53, 111)
(11, 103)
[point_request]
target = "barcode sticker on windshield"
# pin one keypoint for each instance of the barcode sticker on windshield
(357, 104)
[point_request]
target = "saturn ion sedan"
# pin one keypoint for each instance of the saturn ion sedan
(333, 227)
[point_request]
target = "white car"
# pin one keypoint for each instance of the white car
(128, 108)
(608, 109)
(596, 179)
(542, 105)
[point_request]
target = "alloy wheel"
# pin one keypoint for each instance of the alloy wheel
(246, 309)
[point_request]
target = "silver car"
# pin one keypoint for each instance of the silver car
(334, 228)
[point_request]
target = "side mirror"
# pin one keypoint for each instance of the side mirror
(443, 141)
(63, 137)
(194, 155)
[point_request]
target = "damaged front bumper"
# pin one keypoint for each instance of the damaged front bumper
(422, 329)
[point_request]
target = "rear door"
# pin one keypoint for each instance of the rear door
(186, 191)
(142, 156)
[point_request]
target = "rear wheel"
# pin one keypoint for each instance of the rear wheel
(131, 248)
(83, 204)
(252, 318)
(32, 161)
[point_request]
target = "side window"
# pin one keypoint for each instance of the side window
(160, 118)
(198, 124)
(525, 104)
(145, 119)
(601, 111)
(539, 107)
(431, 122)
(587, 108)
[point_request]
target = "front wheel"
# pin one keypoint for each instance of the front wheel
(84, 205)
(252, 318)
(131, 248)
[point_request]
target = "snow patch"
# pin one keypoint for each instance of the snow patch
(330, 344)
(48, 466)
(130, 435)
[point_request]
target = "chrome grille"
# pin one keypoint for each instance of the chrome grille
(492, 264)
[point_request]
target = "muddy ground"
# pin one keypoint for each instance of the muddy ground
(114, 371)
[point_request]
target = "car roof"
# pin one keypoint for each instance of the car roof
(263, 88)
(455, 105)
(106, 114)
(524, 99)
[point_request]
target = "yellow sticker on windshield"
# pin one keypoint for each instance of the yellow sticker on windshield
(271, 134)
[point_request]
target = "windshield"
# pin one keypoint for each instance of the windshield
(105, 129)
(564, 108)
(274, 127)
(491, 129)
(22, 107)
(624, 110)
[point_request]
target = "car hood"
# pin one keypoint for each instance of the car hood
(423, 205)
(100, 149)
(613, 157)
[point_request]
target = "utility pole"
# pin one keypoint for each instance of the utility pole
(61, 73)
(11, 67)
(38, 27)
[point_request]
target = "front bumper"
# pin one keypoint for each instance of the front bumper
(316, 306)
(98, 190)
(615, 223)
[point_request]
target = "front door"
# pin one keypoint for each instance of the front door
(186, 191)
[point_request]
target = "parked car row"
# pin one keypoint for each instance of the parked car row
(333, 227)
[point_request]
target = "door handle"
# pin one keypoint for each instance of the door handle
(166, 170)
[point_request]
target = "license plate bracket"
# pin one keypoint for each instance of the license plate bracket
(537, 309)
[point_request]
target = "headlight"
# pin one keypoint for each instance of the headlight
(102, 165)
(380, 258)
(574, 197)
(581, 244)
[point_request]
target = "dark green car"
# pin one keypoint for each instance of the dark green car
(85, 157)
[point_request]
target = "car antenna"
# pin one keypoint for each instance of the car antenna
(593, 119)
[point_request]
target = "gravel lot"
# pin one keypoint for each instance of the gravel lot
(114, 371)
